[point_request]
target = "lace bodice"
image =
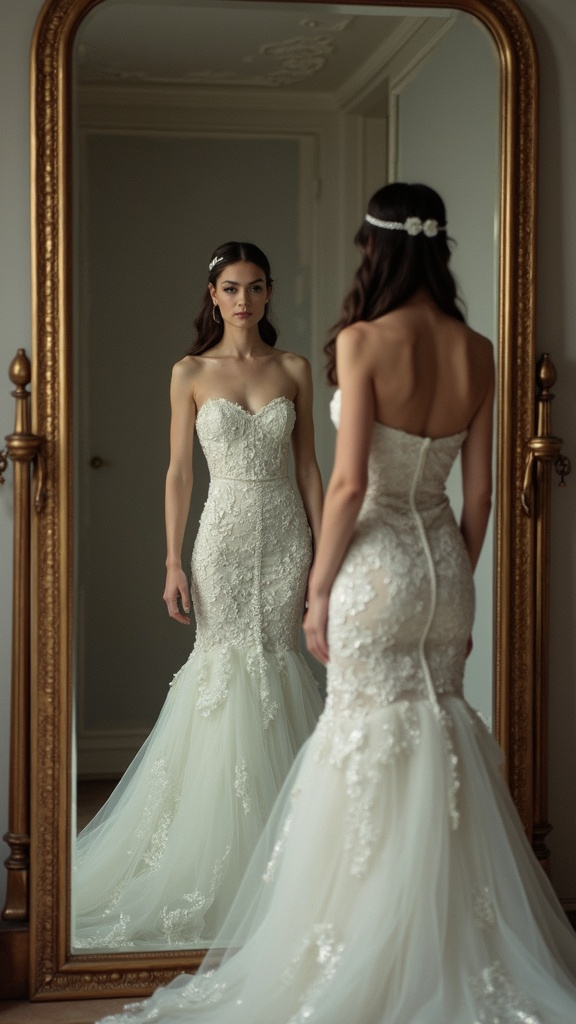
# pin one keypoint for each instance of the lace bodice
(240, 445)
(403, 603)
(397, 472)
(253, 548)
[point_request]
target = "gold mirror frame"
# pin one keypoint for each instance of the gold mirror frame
(519, 701)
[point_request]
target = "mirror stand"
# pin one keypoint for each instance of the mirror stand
(543, 451)
(23, 449)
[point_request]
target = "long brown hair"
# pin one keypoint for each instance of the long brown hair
(209, 331)
(396, 264)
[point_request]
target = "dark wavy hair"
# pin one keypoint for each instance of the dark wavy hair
(208, 331)
(396, 264)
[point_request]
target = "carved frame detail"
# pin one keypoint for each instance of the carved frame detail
(55, 973)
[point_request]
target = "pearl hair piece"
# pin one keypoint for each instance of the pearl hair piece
(412, 225)
(213, 262)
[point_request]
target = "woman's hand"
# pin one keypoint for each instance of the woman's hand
(177, 589)
(315, 627)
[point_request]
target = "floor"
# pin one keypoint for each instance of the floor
(77, 1011)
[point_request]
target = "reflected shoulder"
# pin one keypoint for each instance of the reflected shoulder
(483, 348)
(296, 365)
(292, 358)
(185, 375)
(353, 335)
(362, 345)
(186, 368)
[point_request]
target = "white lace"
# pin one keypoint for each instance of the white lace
(397, 627)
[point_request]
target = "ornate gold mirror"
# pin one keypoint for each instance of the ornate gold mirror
(346, 139)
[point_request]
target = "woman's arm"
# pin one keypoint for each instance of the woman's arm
(477, 475)
(179, 489)
(347, 484)
(308, 479)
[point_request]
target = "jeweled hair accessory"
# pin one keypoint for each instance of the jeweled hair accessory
(213, 262)
(412, 225)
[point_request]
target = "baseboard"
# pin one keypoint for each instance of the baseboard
(569, 907)
(107, 754)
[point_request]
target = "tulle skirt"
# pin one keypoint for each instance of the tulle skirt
(160, 864)
(372, 899)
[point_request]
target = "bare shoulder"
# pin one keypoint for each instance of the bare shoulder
(186, 374)
(185, 367)
(354, 345)
(292, 359)
(481, 349)
(295, 365)
(355, 335)
(366, 346)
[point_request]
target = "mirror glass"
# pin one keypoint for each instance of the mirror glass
(194, 123)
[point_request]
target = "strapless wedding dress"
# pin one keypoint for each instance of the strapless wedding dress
(159, 866)
(394, 883)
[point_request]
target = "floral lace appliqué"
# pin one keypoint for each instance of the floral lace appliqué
(319, 954)
(241, 783)
(185, 924)
(352, 743)
(161, 806)
(115, 937)
(498, 1001)
(280, 843)
(483, 906)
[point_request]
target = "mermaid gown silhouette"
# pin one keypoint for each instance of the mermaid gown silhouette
(394, 883)
(159, 865)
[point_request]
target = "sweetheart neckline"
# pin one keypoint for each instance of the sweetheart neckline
(408, 433)
(248, 412)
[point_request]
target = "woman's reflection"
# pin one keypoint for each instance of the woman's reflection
(160, 863)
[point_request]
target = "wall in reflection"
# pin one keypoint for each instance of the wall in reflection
(458, 153)
(153, 209)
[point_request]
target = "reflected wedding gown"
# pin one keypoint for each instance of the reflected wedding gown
(159, 866)
(394, 883)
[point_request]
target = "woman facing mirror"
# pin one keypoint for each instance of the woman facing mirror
(396, 885)
(159, 865)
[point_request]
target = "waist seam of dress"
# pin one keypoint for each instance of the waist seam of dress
(251, 480)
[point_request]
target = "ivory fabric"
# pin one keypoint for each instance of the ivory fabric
(394, 883)
(160, 864)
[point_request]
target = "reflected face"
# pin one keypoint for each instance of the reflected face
(241, 294)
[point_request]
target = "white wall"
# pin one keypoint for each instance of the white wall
(554, 25)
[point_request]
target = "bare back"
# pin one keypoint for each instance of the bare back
(430, 373)
(419, 370)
